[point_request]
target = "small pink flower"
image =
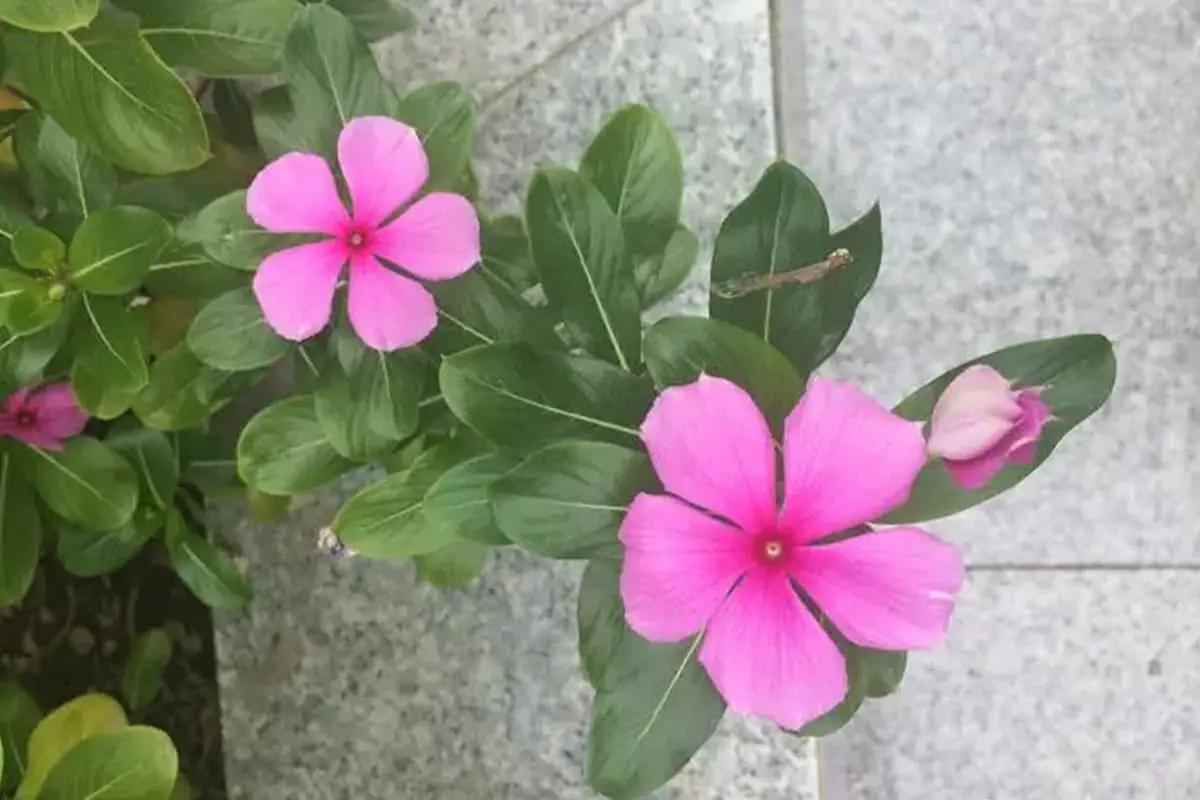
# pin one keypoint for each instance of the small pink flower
(42, 416)
(384, 166)
(980, 423)
(731, 574)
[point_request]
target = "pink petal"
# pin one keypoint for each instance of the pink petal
(388, 311)
(436, 239)
(768, 656)
(712, 447)
(295, 287)
(977, 389)
(847, 460)
(39, 439)
(975, 473)
(296, 194)
(58, 413)
(893, 589)
(384, 164)
(1034, 416)
(965, 437)
(679, 565)
(16, 401)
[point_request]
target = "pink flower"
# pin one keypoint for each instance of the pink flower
(384, 166)
(42, 416)
(731, 574)
(980, 423)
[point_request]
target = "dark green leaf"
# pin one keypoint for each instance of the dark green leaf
(235, 111)
(134, 763)
(459, 500)
(185, 270)
(82, 181)
(283, 449)
(209, 573)
(870, 673)
(181, 392)
(153, 460)
(229, 236)
(655, 705)
(882, 670)
(47, 16)
(659, 276)
(444, 115)
(636, 164)
(231, 334)
(453, 566)
(110, 91)
(14, 213)
(19, 715)
(88, 554)
(144, 670)
(22, 358)
(209, 461)
(110, 357)
(375, 19)
(113, 250)
(506, 252)
(219, 38)
(482, 309)
(86, 483)
(9, 119)
(31, 305)
(276, 127)
(567, 500)
(518, 396)
(580, 255)
(679, 349)
(20, 534)
(38, 249)
(265, 508)
(1078, 371)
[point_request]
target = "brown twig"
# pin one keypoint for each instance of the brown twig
(738, 287)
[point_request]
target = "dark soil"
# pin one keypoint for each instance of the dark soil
(73, 635)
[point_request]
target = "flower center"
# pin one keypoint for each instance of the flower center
(358, 239)
(772, 550)
(26, 419)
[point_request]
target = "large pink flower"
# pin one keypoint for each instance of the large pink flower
(731, 574)
(42, 416)
(384, 166)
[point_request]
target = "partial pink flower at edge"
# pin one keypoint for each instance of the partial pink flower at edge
(980, 423)
(727, 571)
(384, 165)
(42, 416)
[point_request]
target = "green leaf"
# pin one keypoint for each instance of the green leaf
(22, 358)
(137, 763)
(231, 334)
(585, 270)
(332, 77)
(113, 250)
(453, 566)
(567, 500)
(82, 181)
(110, 91)
(265, 508)
(521, 397)
(483, 309)
(235, 112)
(783, 226)
(388, 519)
(459, 499)
(882, 670)
(444, 116)
(72, 723)
(181, 392)
(86, 483)
(679, 349)
(209, 573)
(636, 164)
(218, 38)
(227, 234)
(32, 305)
(277, 129)
(20, 533)
(153, 460)
(870, 673)
(14, 212)
(109, 343)
(144, 670)
(47, 16)
(38, 249)
(375, 20)
(1079, 373)
(655, 706)
(506, 252)
(19, 716)
(658, 277)
(88, 554)
(283, 449)
(185, 270)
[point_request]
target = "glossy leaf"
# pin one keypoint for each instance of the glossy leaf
(154, 461)
(453, 566)
(109, 343)
(78, 720)
(580, 254)
(444, 116)
(218, 38)
(230, 333)
(110, 91)
(227, 234)
(459, 499)
(136, 763)
(655, 705)
(567, 500)
(521, 397)
(22, 358)
(181, 393)
(20, 533)
(506, 252)
(1079, 373)
(283, 449)
(679, 349)
(208, 572)
(142, 680)
(31, 305)
(87, 483)
(38, 249)
(19, 716)
(82, 181)
(375, 20)
(46, 16)
(185, 270)
(113, 250)
(659, 276)
(480, 308)
(88, 554)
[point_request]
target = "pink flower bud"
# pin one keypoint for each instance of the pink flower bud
(981, 423)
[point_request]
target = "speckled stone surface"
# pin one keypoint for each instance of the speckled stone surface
(1040, 175)
(1062, 686)
(352, 679)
